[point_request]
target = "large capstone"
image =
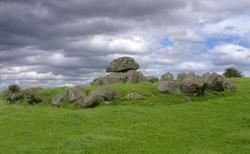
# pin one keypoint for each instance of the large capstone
(122, 64)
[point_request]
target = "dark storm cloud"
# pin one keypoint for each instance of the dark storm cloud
(71, 41)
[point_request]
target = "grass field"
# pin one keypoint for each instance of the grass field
(217, 123)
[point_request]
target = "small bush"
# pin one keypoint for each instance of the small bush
(232, 72)
(14, 88)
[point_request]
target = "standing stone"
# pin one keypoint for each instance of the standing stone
(190, 75)
(114, 78)
(170, 87)
(193, 86)
(167, 76)
(135, 76)
(181, 76)
(122, 64)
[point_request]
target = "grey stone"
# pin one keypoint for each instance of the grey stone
(58, 100)
(131, 76)
(114, 78)
(169, 87)
(181, 76)
(88, 102)
(215, 82)
(105, 94)
(133, 96)
(229, 86)
(193, 86)
(167, 76)
(122, 64)
(75, 94)
(135, 76)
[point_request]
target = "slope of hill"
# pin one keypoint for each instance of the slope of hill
(159, 123)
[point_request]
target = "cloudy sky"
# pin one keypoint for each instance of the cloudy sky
(69, 42)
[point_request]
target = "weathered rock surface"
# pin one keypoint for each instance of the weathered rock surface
(229, 86)
(75, 94)
(88, 102)
(122, 64)
(131, 76)
(170, 87)
(135, 76)
(167, 76)
(58, 100)
(181, 76)
(105, 94)
(133, 96)
(215, 82)
(71, 95)
(152, 79)
(193, 86)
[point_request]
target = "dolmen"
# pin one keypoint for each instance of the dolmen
(122, 70)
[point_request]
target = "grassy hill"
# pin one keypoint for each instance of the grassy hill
(160, 123)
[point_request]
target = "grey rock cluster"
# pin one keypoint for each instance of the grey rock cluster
(194, 85)
(77, 96)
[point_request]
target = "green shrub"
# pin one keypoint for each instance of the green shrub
(14, 88)
(232, 72)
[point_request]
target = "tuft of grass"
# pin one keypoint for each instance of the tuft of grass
(159, 123)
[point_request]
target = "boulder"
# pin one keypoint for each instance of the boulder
(193, 86)
(135, 76)
(58, 100)
(215, 82)
(229, 86)
(152, 79)
(122, 64)
(133, 96)
(190, 75)
(114, 78)
(181, 76)
(169, 87)
(75, 94)
(88, 102)
(167, 76)
(105, 94)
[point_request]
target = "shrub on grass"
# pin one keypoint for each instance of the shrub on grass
(232, 72)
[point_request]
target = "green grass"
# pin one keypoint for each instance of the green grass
(216, 123)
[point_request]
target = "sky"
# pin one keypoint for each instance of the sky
(70, 42)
